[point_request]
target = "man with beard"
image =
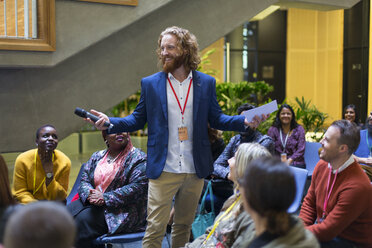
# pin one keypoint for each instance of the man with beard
(221, 165)
(42, 173)
(177, 104)
(338, 204)
(363, 154)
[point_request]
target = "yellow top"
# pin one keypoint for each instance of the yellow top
(24, 179)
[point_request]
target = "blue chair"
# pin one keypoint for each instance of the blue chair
(311, 156)
(301, 177)
(75, 188)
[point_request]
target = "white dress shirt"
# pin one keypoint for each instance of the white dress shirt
(344, 166)
(179, 156)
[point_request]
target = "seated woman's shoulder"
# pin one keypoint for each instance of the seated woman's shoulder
(62, 156)
(300, 128)
(139, 153)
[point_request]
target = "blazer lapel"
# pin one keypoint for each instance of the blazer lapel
(197, 94)
(163, 94)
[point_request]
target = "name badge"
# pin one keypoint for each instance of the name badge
(182, 133)
(283, 157)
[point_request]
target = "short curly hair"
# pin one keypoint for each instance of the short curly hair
(186, 42)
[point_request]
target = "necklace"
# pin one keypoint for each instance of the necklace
(110, 159)
(41, 184)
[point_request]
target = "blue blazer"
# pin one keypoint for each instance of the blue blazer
(152, 108)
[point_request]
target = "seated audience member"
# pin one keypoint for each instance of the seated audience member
(113, 191)
(351, 115)
(363, 154)
(268, 188)
(217, 143)
(338, 204)
(42, 173)
(221, 165)
(7, 203)
(288, 136)
(232, 220)
(40, 225)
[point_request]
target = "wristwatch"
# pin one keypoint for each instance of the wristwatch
(49, 175)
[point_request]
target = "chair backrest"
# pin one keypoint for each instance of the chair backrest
(311, 156)
(301, 177)
(119, 238)
(75, 188)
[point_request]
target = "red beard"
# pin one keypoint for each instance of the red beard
(173, 64)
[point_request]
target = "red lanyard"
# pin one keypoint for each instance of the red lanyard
(330, 191)
(187, 97)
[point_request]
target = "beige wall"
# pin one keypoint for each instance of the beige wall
(315, 58)
(216, 58)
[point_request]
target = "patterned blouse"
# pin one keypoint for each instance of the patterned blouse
(126, 196)
(295, 146)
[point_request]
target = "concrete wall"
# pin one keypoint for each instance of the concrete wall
(78, 26)
(102, 53)
(106, 72)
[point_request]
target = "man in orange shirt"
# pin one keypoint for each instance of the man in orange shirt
(338, 205)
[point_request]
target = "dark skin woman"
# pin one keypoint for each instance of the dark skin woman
(288, 136)
(112, 191)
(42, 173)
(115, 144)
(351, 114)
(46, 142)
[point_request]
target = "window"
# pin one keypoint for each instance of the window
(27, 30)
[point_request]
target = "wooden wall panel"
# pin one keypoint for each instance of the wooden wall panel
(315, 58)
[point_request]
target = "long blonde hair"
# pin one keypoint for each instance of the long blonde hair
(187, 43)
(245, 154)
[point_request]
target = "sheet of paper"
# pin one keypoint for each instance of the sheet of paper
(264, 109)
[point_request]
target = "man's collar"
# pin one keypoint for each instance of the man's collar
(348, 162)
(170, 76)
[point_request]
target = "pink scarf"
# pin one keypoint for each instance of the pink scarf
(105, 172)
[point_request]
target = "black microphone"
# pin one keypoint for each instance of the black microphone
(82, 113)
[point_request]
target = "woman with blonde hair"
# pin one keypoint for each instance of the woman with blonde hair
(232, 220)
